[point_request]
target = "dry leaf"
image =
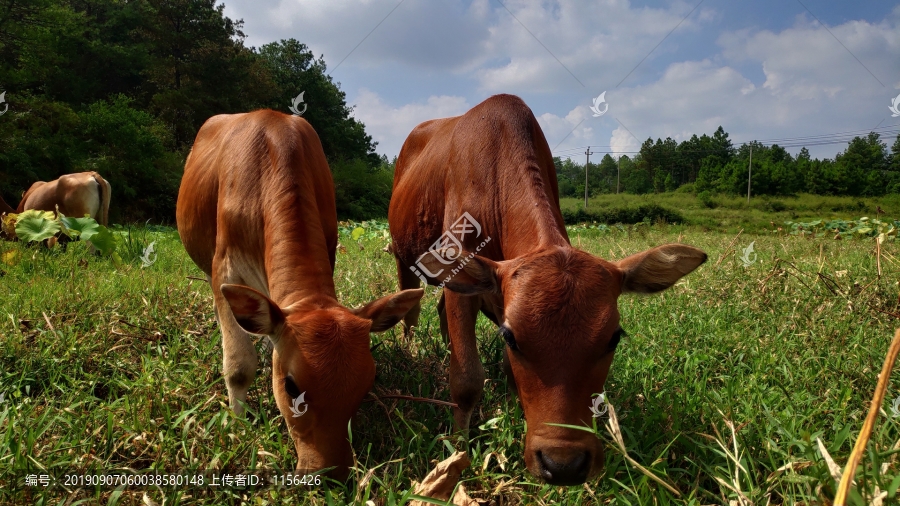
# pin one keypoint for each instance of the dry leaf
(441, 481)
(11, 257)
(833, 468)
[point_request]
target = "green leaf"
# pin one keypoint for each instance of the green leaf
(357, 232)
(36, 227)
(34, 213)
(892, 488)
(429, 500)
(104, 240)
(567, 426)
(84, 228)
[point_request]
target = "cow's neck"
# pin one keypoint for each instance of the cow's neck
(530, 223)
(297, 262)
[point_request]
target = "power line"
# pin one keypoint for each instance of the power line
(787, 142)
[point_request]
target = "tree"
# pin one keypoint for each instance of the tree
(295, 70)
(197, 64)
(862, 166)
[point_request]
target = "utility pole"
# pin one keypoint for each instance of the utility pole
(586, 163)
(618, 172)
(749, 173)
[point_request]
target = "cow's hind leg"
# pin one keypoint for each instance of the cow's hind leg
(466, 370)
(408, 280)
(239, 360)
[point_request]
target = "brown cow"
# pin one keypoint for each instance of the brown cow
(83, 193)
(256, 212)
(485, 183)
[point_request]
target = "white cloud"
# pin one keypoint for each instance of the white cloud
(758, 83)
(420, 33)
(553, 46)
(623, 143)
(391, 125)
(812, 86)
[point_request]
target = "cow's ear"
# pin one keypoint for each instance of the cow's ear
(390, 309)
(468, 274)
(658, 268)
(254, 312)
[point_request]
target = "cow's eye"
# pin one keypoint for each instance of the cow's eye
(616, 337)
(290, 387)
(509, 338)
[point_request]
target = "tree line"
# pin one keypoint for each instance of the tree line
(121, 88)
(713, 164)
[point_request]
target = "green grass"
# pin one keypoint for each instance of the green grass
(107, 368)
(733, 213)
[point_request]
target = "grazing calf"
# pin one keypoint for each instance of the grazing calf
(485, 183)
(256, 213)
(76, 195)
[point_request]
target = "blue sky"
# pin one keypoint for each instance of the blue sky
(764, 70)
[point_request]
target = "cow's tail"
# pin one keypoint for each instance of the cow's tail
(105, 193)
(21, 207)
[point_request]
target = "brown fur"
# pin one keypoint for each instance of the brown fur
(256, 213)
(76, 195)
(560, 303)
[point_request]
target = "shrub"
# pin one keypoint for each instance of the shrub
(687, 188)
(647, 213)
(362, 192)
(705, 198)
(771, 206)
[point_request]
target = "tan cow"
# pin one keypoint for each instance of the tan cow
(77, 195)
(485, 183)
(256, 212)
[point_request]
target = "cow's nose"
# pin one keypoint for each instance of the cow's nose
(565, 471)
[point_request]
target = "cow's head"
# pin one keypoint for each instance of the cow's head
(322, 366)
(560, 319)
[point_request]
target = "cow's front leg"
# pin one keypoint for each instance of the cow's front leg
(466, 371)
(239, 360)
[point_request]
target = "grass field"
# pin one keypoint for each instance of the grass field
(118, 368)
(730, 213)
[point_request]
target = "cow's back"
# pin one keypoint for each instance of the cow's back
(416, 212)
(251, 177)
(492, 162)
(33, 197)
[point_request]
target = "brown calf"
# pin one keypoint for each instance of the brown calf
(485, 183)
(256, 213)
(76, 195)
